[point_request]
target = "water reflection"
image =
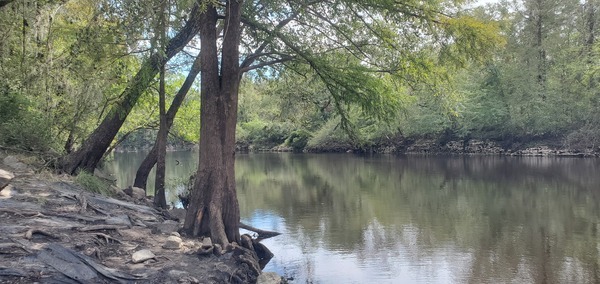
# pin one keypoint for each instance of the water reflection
(385, 219)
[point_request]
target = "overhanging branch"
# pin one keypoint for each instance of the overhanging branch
(267, 63)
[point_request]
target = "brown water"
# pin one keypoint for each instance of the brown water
(388, 219)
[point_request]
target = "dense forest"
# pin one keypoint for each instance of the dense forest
(63, 64)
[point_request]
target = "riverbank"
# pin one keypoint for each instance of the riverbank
(533, 147)
(55, 231)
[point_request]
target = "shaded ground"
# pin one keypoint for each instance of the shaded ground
(52, 231)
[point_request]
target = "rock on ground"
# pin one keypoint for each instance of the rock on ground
(135, 192)
(14, 163)
(173, 242)
(269, 278)
(142, 255)
(5, 178)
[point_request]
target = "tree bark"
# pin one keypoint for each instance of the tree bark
(89, 155)
(141, 177)
(160, 199)
(214, 209)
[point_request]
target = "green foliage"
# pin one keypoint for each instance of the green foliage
(266, 135)
(330, 137)
(23, 127)
(93, 183)
(298, 140)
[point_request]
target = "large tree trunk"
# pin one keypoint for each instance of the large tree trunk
(88, 156)
(141, 177)
(214, 209)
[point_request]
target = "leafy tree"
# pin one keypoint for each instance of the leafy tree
(360, 50)
(93, 148)
(65, 60)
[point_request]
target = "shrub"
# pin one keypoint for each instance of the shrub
(298, 140)
(22, 127)
(93, 183)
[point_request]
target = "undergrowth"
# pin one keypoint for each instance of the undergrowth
(93, 183)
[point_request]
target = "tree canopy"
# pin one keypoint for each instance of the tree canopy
(78, 76)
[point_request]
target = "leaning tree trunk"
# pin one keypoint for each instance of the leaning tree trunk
(89, 155)
(214, 209)
(141, 177)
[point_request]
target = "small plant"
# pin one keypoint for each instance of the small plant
(93, 183)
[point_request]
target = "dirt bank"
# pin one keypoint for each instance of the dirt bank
(52, 231)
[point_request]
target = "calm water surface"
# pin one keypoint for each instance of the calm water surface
(388, 219)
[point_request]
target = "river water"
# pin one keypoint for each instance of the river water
(389, 219)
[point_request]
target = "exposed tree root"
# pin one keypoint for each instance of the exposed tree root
(107, 238)
(5, 248)
(101, 227)
(83, 202)
(29, 234)
(22, 213)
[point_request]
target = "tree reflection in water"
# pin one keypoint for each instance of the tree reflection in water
(430, 219)
(388, 219)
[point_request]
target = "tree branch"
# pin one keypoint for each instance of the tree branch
(249, 60)
(267, 63)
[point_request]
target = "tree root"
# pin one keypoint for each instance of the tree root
(107, 238)
(85, 204)
(30, 232)
(23, 213)
(7, 246)
(101, 227)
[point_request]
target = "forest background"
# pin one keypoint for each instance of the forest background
(63, 64)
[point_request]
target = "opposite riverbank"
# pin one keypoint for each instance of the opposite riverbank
(532, 147)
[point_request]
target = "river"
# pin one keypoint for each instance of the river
(409, 219)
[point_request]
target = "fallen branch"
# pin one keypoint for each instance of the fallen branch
(262, 234)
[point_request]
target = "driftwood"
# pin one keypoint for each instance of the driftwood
(262, 234)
